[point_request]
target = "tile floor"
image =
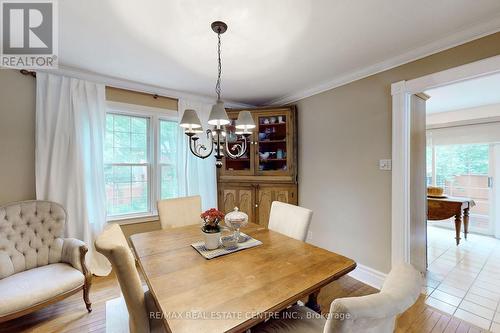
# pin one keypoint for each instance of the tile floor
(464, 280)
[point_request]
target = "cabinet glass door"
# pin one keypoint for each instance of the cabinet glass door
(242, 165)
(273, 144)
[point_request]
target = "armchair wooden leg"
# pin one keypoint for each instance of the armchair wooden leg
(86, 299)
(88, 279)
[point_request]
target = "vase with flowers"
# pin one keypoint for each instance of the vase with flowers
(211, 228)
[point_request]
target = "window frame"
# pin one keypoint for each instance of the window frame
(154, 116)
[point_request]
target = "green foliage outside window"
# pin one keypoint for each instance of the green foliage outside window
(455, 160)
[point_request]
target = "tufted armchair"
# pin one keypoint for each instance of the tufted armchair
(37, 266)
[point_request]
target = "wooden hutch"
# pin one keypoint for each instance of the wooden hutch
(268, 172)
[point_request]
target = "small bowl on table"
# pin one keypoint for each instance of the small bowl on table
(229, 242)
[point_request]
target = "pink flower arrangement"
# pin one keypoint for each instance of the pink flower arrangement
(211, 219)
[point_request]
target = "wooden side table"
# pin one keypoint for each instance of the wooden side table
(445, 208)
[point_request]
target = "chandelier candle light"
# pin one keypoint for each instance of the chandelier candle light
(218, 119)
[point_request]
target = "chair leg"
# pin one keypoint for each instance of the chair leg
(88, 279)
(86, 289)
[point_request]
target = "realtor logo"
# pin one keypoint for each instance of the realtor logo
(29, 38)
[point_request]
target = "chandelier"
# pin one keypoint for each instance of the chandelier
(218, 118)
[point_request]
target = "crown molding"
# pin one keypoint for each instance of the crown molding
(136, 86)
(459, 38)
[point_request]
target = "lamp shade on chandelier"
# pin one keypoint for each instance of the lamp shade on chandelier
(190, 120)
(245, 122)
(218, 115)
(218, 118)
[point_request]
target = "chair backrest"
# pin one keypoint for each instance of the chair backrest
(376, 313)
(179, 212)
(112, 244)
(30, 235)
(292, 221)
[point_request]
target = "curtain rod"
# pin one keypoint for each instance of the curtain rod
(33, 74)
(27, 72)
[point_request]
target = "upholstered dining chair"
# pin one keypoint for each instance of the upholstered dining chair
(290, 220)
(179, 212)
(374, 313)
(112, 244)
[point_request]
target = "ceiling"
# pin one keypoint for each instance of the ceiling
(272, 49)
(466, 94)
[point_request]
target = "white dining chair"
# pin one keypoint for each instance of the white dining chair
(290, 220)
(139, 304)
(179, 212)
(374, 313)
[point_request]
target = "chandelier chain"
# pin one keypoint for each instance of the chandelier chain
(217, 85)
(216, 142)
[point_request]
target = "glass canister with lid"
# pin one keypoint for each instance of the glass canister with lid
(236, 220)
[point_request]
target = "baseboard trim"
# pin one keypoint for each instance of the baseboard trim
(368, 275)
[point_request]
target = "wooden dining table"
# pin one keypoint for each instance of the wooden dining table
(236, 291)
(448, 207)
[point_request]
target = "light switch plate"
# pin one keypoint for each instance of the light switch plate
(385, 165)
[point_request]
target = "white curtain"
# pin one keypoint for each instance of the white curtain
(196, 176)
(70, 125)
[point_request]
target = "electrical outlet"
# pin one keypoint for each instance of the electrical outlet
(385, 165)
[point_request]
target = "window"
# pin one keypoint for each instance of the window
(463, 170)
(463, 160)
(140, 156)
(429, 153)
(168, 157)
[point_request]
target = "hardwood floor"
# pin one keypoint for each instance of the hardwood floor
(70, 315)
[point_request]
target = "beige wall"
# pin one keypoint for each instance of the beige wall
(343, 133)
(17, 136)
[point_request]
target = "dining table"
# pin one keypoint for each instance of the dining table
(444, 207)
(234, 292)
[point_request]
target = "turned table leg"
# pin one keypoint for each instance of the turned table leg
(466, 222)
(458, 226)
(312, 302)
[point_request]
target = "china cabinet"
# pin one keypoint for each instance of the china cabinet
(268, 172)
